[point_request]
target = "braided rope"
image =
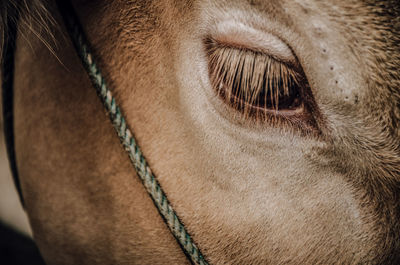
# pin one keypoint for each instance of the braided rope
(127, 139)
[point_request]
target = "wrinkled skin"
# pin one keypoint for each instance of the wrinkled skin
(247, 193)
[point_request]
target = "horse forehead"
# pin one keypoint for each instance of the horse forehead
(143, 10)
(353, 17)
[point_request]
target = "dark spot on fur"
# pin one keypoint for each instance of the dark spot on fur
(305, 10)
(356, 99)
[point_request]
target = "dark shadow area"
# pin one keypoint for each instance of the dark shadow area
(17, 249)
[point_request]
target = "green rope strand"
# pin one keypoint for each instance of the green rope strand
(127, 139)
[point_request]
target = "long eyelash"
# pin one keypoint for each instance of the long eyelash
(245, 77)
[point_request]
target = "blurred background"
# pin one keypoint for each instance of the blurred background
(11, 212)
(16, 244)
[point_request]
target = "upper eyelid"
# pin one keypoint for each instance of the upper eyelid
(239, 35)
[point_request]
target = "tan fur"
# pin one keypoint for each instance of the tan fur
(248, 193)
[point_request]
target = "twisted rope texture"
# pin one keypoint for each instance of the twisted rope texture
(129, 143)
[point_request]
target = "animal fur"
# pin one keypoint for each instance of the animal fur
(248, 193)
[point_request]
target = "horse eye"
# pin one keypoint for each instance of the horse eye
(255, 83)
